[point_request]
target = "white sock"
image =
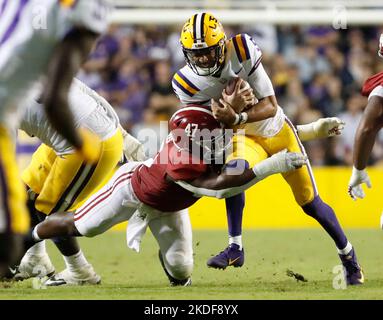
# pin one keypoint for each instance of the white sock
(38, 249)
(76, 261)
(237, 240)
(346, 250)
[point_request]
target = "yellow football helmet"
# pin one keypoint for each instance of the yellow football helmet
(203, 44)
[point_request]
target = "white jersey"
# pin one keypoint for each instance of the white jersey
(89, 109)
(243, 59)
(29, 32)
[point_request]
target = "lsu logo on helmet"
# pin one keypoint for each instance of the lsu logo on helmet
(202, 35)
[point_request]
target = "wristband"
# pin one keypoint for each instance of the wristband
(243, 117)
(237, 119)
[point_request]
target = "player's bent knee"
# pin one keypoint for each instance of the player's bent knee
(179, 265)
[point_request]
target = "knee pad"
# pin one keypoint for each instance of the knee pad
(179, 265)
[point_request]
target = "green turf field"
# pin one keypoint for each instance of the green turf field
(269, 254)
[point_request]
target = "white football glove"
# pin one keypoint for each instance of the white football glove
(280, 162)
(322, 128)
(358, 177)
(133, 149)
(380, 50)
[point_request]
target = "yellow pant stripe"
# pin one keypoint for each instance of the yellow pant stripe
(304, 152)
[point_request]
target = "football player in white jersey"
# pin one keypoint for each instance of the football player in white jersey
(58, 179)
(212, 60)
(41, 41)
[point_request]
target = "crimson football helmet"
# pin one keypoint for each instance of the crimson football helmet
(194, 129)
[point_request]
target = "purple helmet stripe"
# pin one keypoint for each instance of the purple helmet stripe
(14, 22)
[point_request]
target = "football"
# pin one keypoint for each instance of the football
(232, 83)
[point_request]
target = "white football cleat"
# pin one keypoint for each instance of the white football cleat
(33, 265)
(84, 276)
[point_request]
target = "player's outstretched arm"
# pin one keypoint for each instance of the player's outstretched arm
(65, 63)
(322, 128)
(369, 126)
(228, 184)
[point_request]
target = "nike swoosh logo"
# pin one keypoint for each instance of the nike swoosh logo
(13, 271)
(236, 72)
(232, 261)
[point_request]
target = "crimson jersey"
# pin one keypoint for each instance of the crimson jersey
(151, 186)
(371, 83)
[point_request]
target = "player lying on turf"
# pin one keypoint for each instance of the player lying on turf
(212, 61)
(369, 126)
(31, 54)
(147, 192)
(58, 179)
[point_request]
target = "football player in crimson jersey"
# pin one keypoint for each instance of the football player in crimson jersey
(152, 193)
(369, 126)
(211, 61)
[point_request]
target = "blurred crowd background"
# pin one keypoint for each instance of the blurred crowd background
(316, 72)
